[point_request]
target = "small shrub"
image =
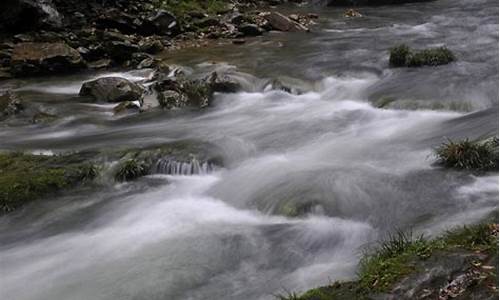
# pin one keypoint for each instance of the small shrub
(469, 155)
(399, 55)
(130, 170)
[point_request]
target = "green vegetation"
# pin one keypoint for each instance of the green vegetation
(25, 177)
(399, 55)
(469, 155)
(131, 169)
(403, 56)
(182, 7)
(393, 259)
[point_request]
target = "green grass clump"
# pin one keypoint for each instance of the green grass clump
(390, 261)
(25, 177)
(480, 237)
(403, 56)
(131, 169)
(469, 155)
(182, 7)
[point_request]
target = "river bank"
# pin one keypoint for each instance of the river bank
(70, 36)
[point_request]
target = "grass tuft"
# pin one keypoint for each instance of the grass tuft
(388, 262)
(131, 169)
(469, 155)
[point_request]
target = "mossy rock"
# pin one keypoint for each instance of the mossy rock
(25, 177)
(403, 56)
(431, 57)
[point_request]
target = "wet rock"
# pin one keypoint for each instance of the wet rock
(24, 15)
(100, 64)
(116, 19)
(126, 107)
(351, 13)
(43, 118)
(223, 83)
(151, 45)
(44, 58)
(10, 104)
(112, 89)
(282, 23)
(172, 99)
(121, 51)
(250, 30)
(161, 23)
(23, 38)
(207, 22)
(5, 73)
(239, 41)
(237, 19)
(183, 93)
(93, 52)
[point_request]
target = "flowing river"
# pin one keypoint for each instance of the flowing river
(362, 171)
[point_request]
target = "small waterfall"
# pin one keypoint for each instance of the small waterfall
(173, 167)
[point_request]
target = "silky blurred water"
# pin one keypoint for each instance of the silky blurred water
(361, 171)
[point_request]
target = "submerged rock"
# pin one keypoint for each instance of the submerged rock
(127, 106)
(10, 104)
(44, 58)
(112, 89)
(351, 13)
(250, 30)
(223, 83)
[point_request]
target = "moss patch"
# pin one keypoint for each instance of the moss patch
(403, 56)
(25, 177)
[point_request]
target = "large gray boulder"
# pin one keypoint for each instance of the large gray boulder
(44, 58)
(282, 23)
(112, 89)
